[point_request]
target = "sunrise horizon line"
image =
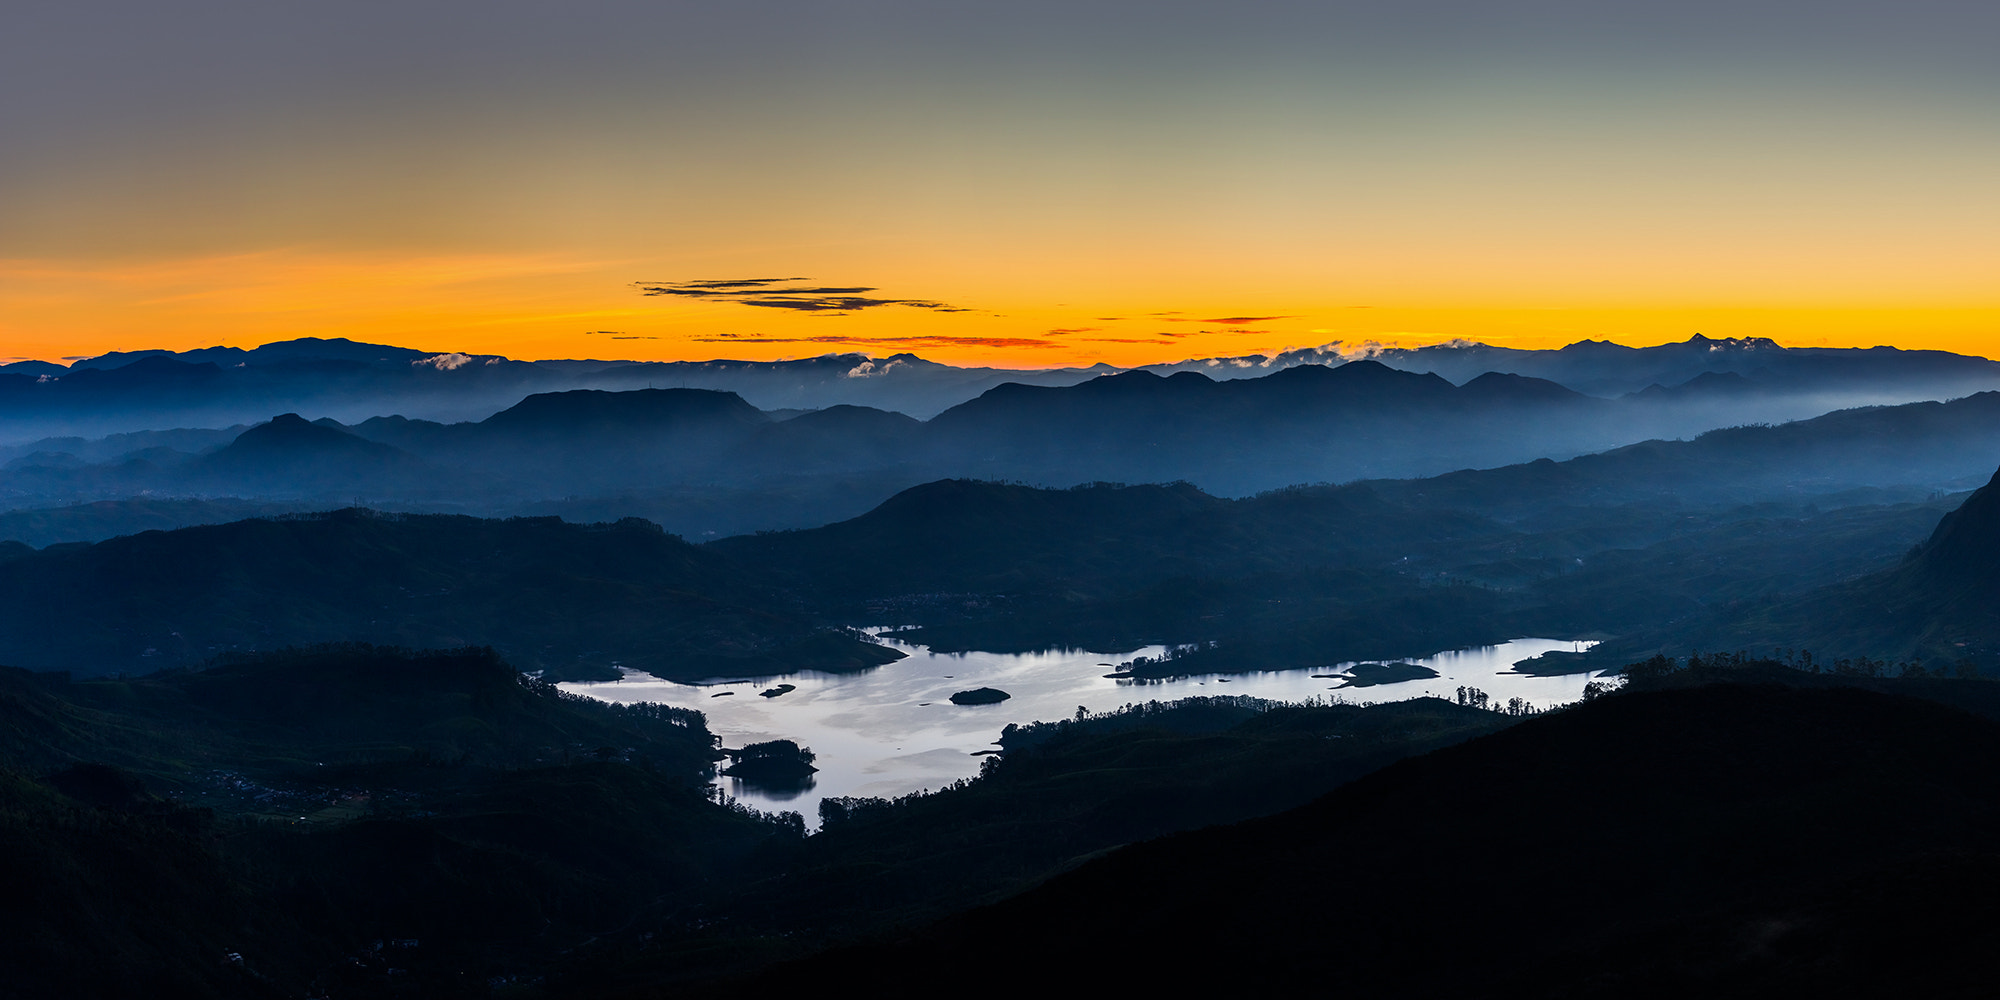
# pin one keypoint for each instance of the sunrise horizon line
(1348, 349)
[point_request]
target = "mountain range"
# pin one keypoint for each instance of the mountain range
(1704, 364)
(1739, 381)
(707, 463)
(1292, 578)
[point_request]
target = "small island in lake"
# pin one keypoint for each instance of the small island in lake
(980, 696)
(1556, 662)
(778, 762)
(1370, 674)
(781, 689)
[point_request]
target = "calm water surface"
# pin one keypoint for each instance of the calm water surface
(893, 730)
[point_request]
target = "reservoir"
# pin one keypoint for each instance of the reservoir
(893, 730)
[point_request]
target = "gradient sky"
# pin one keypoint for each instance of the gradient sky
(1023, 184)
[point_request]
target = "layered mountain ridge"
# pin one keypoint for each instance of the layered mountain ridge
(351, 381)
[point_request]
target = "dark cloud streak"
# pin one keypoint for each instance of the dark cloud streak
(1226, 320)
(778, 293)
(920, 341)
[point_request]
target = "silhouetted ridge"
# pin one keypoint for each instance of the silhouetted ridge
(847, 419)
(834, 440)
(290, 455)
(983, 522)
(150, 366)
(1707, 385)
(1939, 609)
(1500, 387)
(1603, 368)
(290, 435)
(550, 595)
(1351, 383)
(344, 691)
(1965, 548)
(596, 411)
(1291, 578)
(962, 534)
(329, 349)
(1305, 423)
(1848, 449)
(1140, 384)
(1013, 406)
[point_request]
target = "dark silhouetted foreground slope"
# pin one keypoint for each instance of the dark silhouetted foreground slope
(344, 821)
(1720, 841)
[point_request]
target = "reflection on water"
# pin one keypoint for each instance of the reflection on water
(893, 730)
(753, 792)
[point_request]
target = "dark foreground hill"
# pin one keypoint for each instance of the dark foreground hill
(1721, 841)
(328, 815)
(551, 595)
(365, 822)
(285, 714)
(345, 821)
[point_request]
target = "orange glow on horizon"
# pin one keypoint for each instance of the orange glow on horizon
(546, 306)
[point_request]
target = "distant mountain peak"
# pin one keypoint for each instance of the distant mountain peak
(288, 452)
(1734, 343)
(1139, 383)
(633, 409)
(1506, 386)
(291, 433)
(153, 364)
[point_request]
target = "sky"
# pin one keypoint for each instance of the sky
(1025, 184)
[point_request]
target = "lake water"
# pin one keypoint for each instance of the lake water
(893, 730)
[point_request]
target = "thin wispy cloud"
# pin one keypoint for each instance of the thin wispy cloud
(917, 341)
(785, 293)
(1225, 320)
